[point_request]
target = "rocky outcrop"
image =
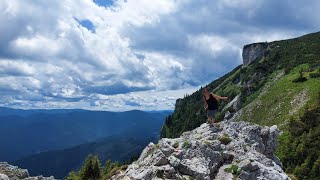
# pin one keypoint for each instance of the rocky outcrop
(9, 172)
(235, 104)
(224, 151)
(252, 52)
(179, 103)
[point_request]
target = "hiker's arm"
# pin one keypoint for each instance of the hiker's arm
(205, 103)
(219, 97)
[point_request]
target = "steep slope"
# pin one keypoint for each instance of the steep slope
(300, 144)
(277, 84)
(281, 99)
(232, 150)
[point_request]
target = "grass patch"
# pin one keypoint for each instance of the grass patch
(186, 144)
(176, 144)
(157, 146)
(233, 169)
(113, 172)
(292, 177)
(219, 116)
(208, 143)
(282, 100)
(225, 139)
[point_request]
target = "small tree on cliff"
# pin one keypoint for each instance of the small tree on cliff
(91, 168)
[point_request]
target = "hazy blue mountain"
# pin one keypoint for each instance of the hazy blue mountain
(27, 132)
(4, 111)
(60, 162)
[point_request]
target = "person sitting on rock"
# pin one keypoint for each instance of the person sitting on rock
(211, 104)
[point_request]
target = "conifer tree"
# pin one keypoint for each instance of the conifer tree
(86, 170)
(96, 167)
(107, 167)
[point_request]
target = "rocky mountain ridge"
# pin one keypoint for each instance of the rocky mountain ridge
(225, 151)
(9, 172)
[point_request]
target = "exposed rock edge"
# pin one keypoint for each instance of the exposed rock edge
(207, 152)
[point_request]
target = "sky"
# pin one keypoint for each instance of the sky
(118, 55)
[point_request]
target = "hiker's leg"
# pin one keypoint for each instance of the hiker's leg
(213, 117)
(213, 120)
(209, 120)
(210, 116)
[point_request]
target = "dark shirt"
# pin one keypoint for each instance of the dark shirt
(212, 102)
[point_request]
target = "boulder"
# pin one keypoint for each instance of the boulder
(8, 171)
(235, 103)
(4, 177)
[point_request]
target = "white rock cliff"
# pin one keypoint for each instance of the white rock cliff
(252, 52)
(225, 151)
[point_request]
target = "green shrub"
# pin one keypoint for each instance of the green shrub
(300, 78)
(314, 75)
(233, 169)
(157, 146)
(225, 139)
(231, 109)
(219, 116)
(287, 70)
(207, 143)
(292, 177)
(186, 144)
(160, 174)
(109, 165)
(113, 172)
(176, 144)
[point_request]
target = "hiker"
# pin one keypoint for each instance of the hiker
(211, 104)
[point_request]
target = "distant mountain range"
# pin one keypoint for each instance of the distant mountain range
(28, 132)
(60, 162)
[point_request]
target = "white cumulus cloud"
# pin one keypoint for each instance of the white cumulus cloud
(49, 57)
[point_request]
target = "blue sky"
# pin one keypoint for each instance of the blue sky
(104, 3)
(124, 54)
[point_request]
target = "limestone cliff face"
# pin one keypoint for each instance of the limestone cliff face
(9, 172)
(251, 52)
(225, 151)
